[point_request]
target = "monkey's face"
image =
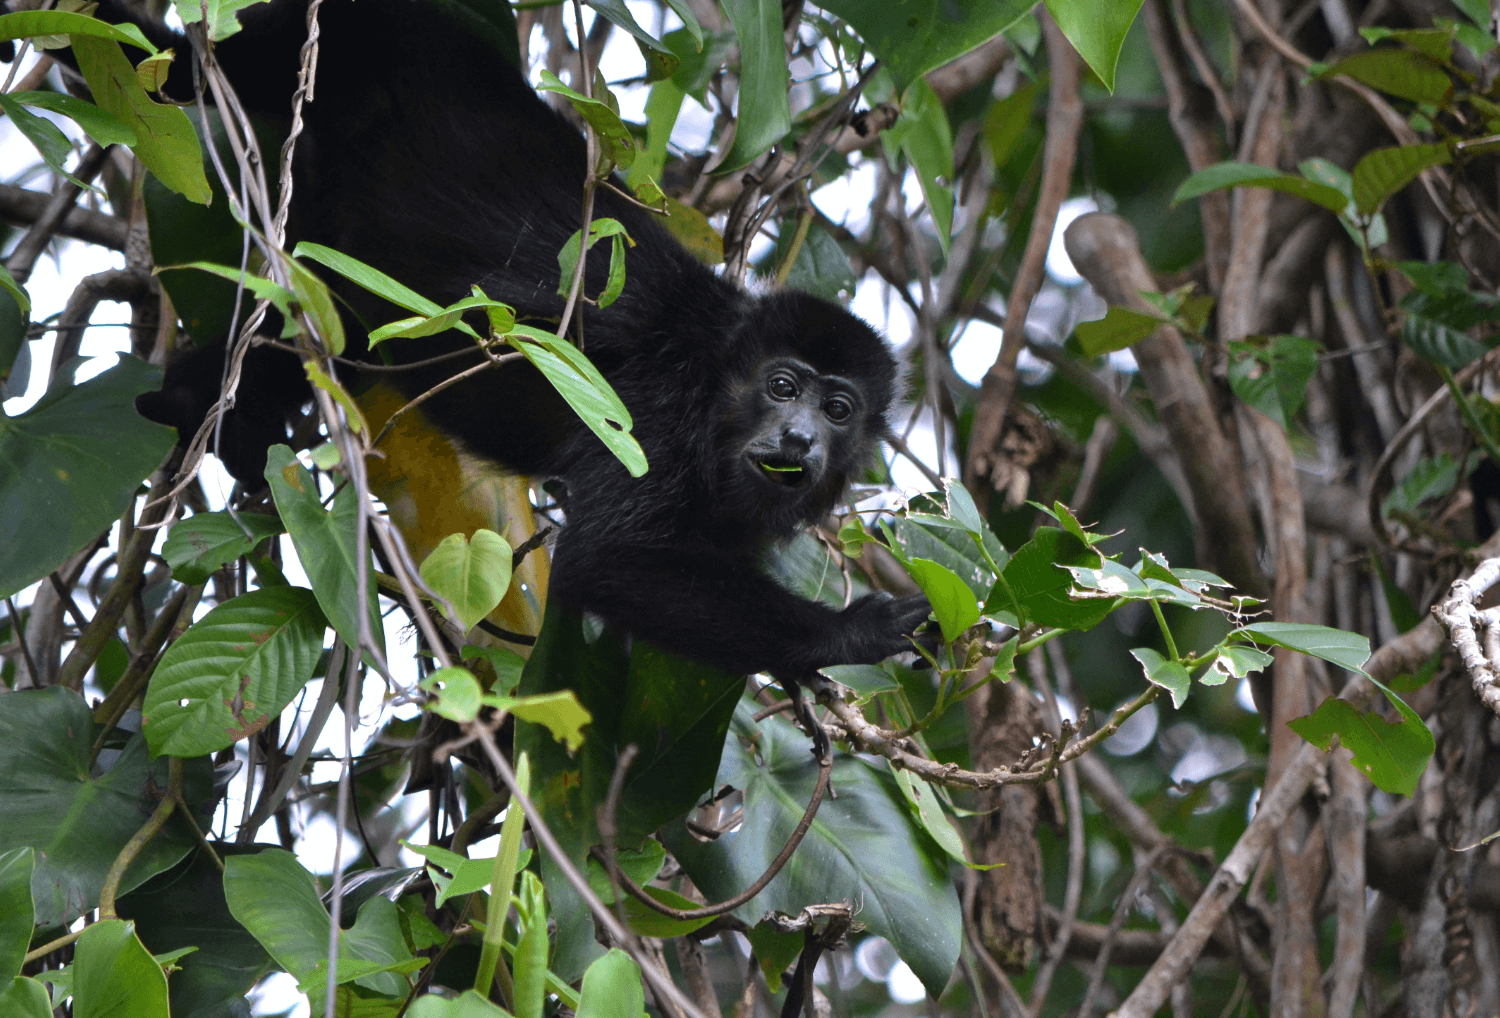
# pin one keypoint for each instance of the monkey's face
(800, 426)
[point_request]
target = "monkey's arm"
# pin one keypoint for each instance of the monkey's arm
(700, 602)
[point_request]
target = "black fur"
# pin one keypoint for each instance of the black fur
(428, 156)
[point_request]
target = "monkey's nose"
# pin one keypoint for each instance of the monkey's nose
(795, 440)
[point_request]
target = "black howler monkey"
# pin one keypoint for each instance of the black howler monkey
(428, 156)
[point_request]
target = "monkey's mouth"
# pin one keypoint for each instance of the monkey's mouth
(779, 470)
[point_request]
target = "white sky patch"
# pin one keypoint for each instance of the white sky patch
(1059, 265)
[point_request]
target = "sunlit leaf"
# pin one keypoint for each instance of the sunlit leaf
(1164, 672)
(471, 573)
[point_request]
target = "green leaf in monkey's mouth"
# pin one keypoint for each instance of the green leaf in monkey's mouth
(782, 473)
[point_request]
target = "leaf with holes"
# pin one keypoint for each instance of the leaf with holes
(233, 671)
(590, 396)
(1392, 755)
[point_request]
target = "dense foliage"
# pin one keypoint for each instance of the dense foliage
(256, 745)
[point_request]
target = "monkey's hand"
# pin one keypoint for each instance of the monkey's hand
(879, 625)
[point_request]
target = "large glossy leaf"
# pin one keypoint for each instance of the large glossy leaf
(1096, 30)
(918, 35)
(114, 976)
(16, 914)
(764, 117)
(203, 542)
(25, 998)
(325, 544)
(233, 671)
(676, 711)
(75, 819)
(865, 847)
(70, 465)
(185, 907)
(275, 898)
(165, 140)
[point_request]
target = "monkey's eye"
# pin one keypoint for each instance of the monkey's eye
(782, 387)
(838, 408)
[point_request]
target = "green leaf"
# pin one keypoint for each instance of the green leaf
(456, 693)
(1237, 661)
(865, 680)
(165, 140)
(952, 601)
(1096, 30)
(1224, 175)
(78, 822)
(616, 143)
(467, 1005)
(1380, 173)
(277, 900)
(866, 846)
(16, 912)
(261, 287)
(929, 813)
(1404, 614)
(1429, 477)
(915, 36)
(450, 317)
(114, 974)
(371, 279)
(221, 15)
(25, 998)
(1007, 120)
(1393, 756)
(184, 908)
(102, 126)
(647, 922)
(923, 134)
(1163, 672)
(1436, 279)
(472, 574)
(530, 958)
(53, 146)
(821, 267)
(612, 988)
(677, 711)
(71, 465)
(203, 542)
(30, 24)
(1347, 650)
(764, 115)
(590, 396)
(507, 664)
(233, 672)
(559, 712)
(468, 875)
(315, 300)
(567, 258)
(1435, 43)
(325, 544)
(774, 950)
(1119, 328)
(1399, 72)
(1037, 583)
(1437, 321)
(1271, 375)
